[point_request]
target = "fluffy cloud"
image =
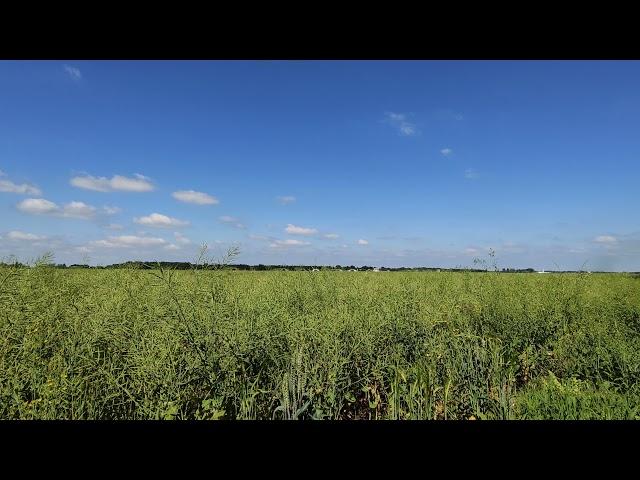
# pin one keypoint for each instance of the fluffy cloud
(295, 230)
(128, 241)
(191, 196)
(40, 206)
(78, 210)
(446, 152)
(23, 189)
(117, 183)
(288, 243)
(18, 235)
(400, 122)
(331, 236)
(159, 220)
(37, 206)
(286, 199)
(363, 242)
(233, 221)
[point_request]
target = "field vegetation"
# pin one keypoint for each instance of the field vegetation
(222, 344)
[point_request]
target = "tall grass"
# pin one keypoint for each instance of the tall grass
(220, 344)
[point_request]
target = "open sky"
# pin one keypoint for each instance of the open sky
(388, 163)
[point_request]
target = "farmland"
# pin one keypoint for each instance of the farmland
(223, 344)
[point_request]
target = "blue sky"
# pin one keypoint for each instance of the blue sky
(390, 163)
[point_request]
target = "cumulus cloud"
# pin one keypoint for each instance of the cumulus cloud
(286, 199)
(191, 196)
(37, 206)
(24, 189)
(232, 221)
(446, 152)
(400, 122)
(73, 72)
(362, 241)
(288, 243)
(295, 230)
(331, 236)
(41, 206)
(117, 183)
(18, 235)
(172, 246)
(159, 220)
(78, 210)
(128, 241)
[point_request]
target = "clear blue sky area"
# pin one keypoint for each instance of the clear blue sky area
(394, 163)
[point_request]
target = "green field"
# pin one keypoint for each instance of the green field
(146, 344)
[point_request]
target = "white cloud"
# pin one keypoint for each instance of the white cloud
(331, 236)
(286, 199)
(73, 72)
(191, 196)
(111, 210)
(172, 246)
(471, 251)
(128, 241)
(288, 243)
(233, 221)
(181, 239)
(117, 183)
(295, 230)
(159, 220)
(446, 152)
(363, 242)
(605, 239)
(470, 173)
(40, 206)
(399, 121)
(78, 210)
(23, 189)
(37, 206)
(18, 235)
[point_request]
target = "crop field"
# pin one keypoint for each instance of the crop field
(225, 344)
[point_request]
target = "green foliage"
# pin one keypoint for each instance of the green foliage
(213, 343)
